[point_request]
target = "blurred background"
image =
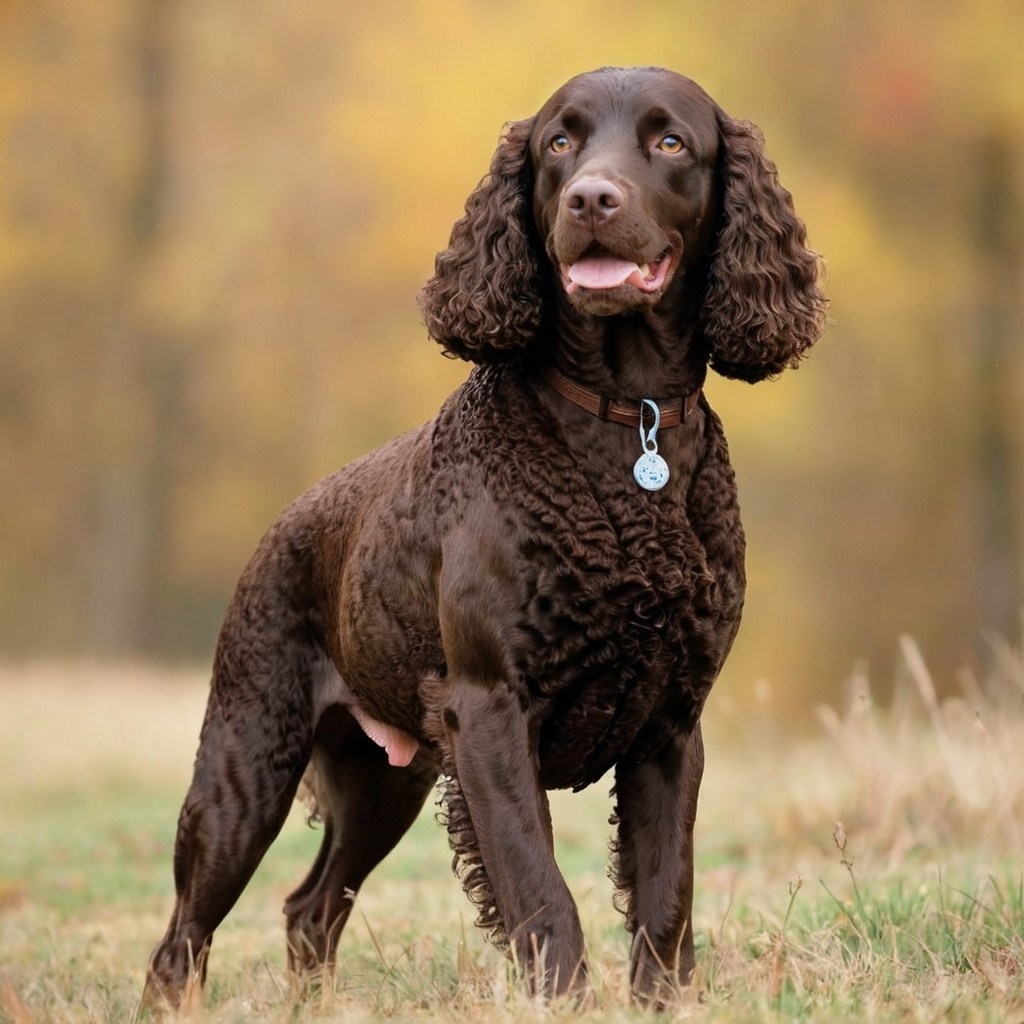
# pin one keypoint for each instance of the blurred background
(215, 216)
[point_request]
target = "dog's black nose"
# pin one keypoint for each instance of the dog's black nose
(593, 199)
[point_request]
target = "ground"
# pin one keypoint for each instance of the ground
(869, 870)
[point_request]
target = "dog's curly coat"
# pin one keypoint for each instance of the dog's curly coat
(491, 597)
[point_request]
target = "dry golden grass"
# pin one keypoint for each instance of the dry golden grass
(911, 910)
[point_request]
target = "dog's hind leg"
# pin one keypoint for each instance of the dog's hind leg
(366, 805)
(254, 746)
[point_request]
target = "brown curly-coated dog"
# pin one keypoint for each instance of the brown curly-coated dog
(498, 598)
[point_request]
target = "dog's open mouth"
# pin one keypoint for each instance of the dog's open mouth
(602, 272)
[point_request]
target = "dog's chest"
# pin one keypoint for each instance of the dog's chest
(600, 656)
(608, 576)
(609, 628)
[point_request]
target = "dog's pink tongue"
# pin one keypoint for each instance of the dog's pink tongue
(599, 272)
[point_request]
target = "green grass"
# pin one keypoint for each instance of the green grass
(910, 910)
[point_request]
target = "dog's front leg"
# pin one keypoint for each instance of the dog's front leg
(495, 763)
(656, 805)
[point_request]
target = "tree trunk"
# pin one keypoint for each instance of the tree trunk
(998, 591)
(130, 496)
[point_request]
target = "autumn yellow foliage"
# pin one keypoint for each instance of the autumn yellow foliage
(215, 217)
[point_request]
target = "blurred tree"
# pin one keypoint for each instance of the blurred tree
(999, 593)
(214, 218)
(132, 479)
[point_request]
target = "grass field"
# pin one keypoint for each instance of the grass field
(910, 910)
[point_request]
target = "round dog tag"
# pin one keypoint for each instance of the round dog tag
(651, 471)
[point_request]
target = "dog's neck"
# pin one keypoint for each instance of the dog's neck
(644, 353)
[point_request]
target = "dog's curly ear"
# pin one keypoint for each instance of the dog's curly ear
(763, 308)
(483, 303)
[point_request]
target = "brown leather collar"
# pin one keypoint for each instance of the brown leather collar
(614, 410)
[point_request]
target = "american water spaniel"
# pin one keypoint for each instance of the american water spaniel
(540, 585)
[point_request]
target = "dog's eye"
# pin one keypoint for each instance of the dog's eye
(560, 143)
(671, 144)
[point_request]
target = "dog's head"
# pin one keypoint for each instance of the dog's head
(624, 190)
(629, 189)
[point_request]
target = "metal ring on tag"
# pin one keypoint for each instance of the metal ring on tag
(650, 471)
